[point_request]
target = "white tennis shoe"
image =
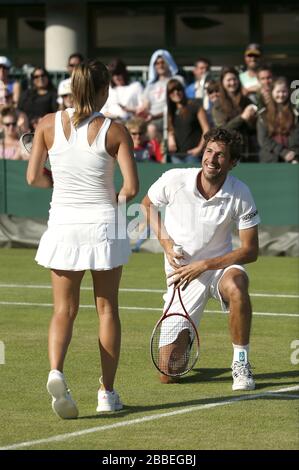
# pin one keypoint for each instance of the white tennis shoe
(108, 401)
(62, 402)
(242, 376)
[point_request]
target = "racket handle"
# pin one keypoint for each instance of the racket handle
(178, 249)
(48, 173)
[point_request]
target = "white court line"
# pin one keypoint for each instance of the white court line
(123, 289)
(154, 309)
(191, 409)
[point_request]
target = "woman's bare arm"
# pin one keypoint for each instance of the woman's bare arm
(122, 147)
(35, 170)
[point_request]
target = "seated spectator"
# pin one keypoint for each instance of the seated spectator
(187, 123)
(10, 148)
(74, 59)
(201, 74)
(278, 128)
(145, 150)
(162, 67)
(22, 119)
(65, 97)
(248, 79)
(213, 93)
(124, 97)
(40, 99)
(265, 78)
(235, 111)
(13, 87)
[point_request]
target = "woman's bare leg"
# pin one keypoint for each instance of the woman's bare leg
(106, 285)
(66, 295)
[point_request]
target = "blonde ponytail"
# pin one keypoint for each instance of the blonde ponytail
(87, 80)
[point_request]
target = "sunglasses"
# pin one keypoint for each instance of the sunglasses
(7, 124)
(42, 75)
(252, 55)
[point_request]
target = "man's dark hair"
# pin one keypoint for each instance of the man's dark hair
(263, 67)
(231, 138)
(78, 55)
(203, 59)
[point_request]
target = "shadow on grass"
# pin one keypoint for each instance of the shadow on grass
(130, 410)
(212, 375)
(204, 375)
(209, 375)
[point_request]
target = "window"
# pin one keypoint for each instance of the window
(205, 27)
(31, 32)
(3, 33)
(281, 28)
(129, 27)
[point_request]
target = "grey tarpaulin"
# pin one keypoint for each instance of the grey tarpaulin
(25, 232)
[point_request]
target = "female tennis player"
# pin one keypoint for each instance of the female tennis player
(83, 228)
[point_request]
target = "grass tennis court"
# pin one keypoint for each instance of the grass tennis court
(199, 413)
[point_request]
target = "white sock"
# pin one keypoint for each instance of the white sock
(241, 353)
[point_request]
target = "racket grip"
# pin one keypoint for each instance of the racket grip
(178, 249)
(169, 280)
(48, 173)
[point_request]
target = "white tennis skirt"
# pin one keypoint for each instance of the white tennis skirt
(76, 247)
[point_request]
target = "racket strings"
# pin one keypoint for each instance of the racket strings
(26, 141)
(174, 345)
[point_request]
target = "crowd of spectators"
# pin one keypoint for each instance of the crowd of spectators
(168, 115)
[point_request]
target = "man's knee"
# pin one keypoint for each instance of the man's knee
(234, 285)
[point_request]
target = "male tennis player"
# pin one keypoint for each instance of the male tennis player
(202, 208)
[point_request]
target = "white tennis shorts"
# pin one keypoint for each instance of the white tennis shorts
(195, 298)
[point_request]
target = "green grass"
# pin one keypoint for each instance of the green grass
(267, 422)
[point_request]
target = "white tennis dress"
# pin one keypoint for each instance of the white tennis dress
(86, 229)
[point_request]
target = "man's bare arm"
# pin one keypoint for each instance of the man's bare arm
(247, 253)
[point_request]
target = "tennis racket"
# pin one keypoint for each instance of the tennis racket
(26, 141)
(174, 342)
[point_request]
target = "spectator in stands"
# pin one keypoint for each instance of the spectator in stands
(162, 67)
(201, 74)
(145, 150)
(213, 93)
(65, 97)
(187, 123)
(22, 119)
(41, 98)
(124, 97)
(13, 87)
(278, 127)
(74, 59)
(265, 78)
(233, 110)
(248, 79)
(10, 148)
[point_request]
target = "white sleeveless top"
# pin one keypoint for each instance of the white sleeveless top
(83, 175)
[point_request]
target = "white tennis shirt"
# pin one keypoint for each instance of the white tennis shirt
(203, 227)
